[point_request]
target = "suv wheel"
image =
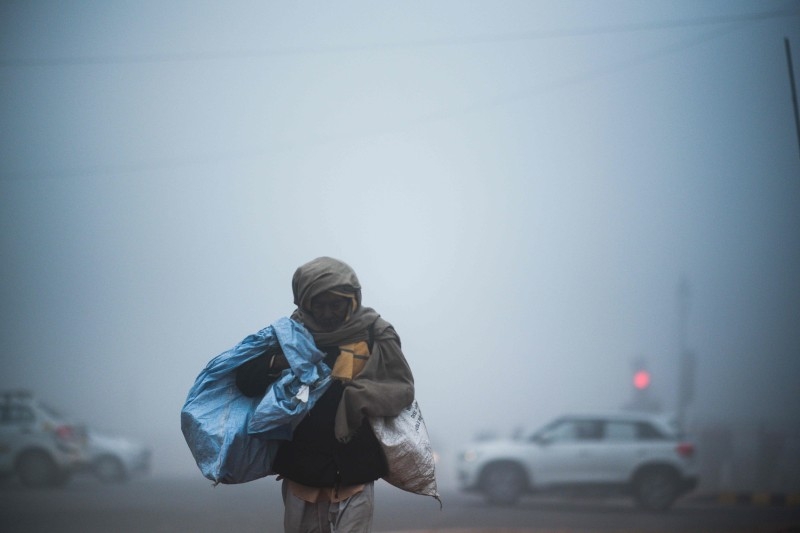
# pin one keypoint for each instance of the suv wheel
(656, 489)
(37, 469)
(109, 469)
(503, 483)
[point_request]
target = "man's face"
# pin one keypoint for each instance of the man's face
(330, 310)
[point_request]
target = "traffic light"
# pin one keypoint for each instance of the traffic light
(640, 374)
(641, 379)
(642, 396)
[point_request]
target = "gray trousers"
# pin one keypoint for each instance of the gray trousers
(353, 515)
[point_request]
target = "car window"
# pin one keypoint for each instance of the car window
(649, 432)
(620, 431)
(631, 431)
(589, 429)
(17, 414)
(574, 430)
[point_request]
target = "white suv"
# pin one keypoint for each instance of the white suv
(625, 453)
(36, 443)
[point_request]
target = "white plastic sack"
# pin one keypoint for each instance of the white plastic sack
(405, 442)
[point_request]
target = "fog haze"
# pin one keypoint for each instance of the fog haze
(521, 188)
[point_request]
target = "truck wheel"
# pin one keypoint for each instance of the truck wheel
(503, 483)
(656, 489)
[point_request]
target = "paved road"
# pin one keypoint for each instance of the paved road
(193, 505)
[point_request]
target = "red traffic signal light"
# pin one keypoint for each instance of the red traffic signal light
(641, 379)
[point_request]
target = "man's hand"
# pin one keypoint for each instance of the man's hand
(278, 362)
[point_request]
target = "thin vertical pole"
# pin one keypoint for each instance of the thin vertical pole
(683, 357)
(794, 89)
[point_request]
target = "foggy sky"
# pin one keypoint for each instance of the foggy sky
(520, 186)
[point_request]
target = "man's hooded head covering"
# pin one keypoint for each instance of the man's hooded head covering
(320, 275)
(326, 274)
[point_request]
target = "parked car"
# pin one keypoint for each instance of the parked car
(37, 444)
(639, 455)
(114, 459)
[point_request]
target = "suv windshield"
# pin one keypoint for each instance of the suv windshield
(50, 411)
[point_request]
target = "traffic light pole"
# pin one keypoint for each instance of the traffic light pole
(686, 360)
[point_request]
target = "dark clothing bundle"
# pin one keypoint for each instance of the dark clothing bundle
(314, 457)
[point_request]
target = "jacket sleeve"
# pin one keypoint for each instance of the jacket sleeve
(384, 388)
(254, 376)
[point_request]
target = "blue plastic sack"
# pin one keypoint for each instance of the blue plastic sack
(234, 438)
